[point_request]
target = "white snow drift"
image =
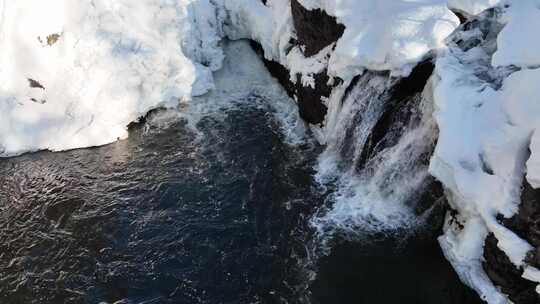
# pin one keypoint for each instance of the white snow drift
(76, 73)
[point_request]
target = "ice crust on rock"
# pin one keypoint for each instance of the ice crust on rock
(515, 44)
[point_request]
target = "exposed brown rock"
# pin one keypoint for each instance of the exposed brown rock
(309, 100)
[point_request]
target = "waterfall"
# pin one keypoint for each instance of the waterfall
(379, 136)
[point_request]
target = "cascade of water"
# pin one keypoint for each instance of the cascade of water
(377, 154)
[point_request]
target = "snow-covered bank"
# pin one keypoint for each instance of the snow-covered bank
(74, 74)
(486, 111)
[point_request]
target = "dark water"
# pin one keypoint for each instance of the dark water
(164, 218)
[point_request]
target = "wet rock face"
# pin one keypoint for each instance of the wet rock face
(314, 28)
(309, 101)
(526, 224)
(506, 276)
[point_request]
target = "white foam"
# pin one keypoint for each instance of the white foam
(378, 197)
(242, 77)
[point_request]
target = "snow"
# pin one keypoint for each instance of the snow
(463, 248)
(515, 46)
(307, 68)
(481, 155)
(270, 25)
(113, 61)
(379, 35)
(95, 67)
(472, 7)
(385, 34)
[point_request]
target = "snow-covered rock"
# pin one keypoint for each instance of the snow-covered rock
(486, 116)
(74, 74)
(386, 34)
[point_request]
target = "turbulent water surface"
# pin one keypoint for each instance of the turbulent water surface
(210, 207)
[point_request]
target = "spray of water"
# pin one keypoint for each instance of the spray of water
(376, 184)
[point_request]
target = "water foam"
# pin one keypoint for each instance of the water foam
(378, 194)
(242, 80)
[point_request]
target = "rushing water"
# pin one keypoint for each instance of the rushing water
(212, 204)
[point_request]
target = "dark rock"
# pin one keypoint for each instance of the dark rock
(462, 18)
(315, 29)
(505, 275)
(276, 69)
(526, 224)
(310, 104)
(309, 99)
(35, 84)
(415, 82)
(431, 204)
